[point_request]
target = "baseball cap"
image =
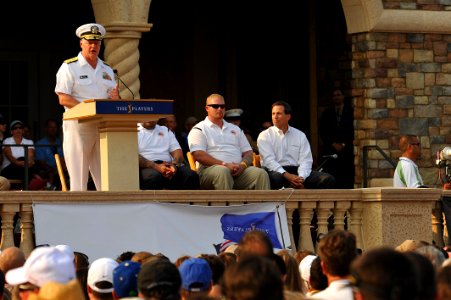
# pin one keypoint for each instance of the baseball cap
(159, 273)
(43, 265)
(305, 265)
(196, 274)
(125, 279)
(91, 31)
(66, 249)
(101, 270)
(14, 123)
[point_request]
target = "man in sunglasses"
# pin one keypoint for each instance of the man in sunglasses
(222, 152)
(407, 173)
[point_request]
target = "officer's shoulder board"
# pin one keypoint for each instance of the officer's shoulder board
(106, 64)
(71, 60)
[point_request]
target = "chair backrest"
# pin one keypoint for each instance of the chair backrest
(192, 161)
(256, 160)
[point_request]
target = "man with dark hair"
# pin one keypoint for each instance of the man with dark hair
(46, 148)
(254, 278)
(407, 173)
(336, 128)
(384, 273)
(337, 249)
(286, 155)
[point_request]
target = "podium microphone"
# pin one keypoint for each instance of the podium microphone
(120, 80)
(333, 156)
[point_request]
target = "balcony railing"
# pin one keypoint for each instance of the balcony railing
(377, 216)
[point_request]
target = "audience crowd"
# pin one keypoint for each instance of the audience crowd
(249, 270)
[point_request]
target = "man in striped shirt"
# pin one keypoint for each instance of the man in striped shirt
(406, 173)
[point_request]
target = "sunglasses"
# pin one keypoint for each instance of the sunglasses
(415, 144)
(17, 127)
(216, 106)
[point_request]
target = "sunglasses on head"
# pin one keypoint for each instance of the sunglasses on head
(216, 106)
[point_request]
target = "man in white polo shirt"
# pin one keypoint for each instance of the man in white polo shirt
(223, 154)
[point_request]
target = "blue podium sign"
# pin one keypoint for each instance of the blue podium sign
(134, 107)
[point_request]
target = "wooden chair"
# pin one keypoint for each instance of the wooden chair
(192, 161)
(15, 184)
(256, 160)
(61, 173)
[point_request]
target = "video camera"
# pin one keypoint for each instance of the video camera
(443, 162)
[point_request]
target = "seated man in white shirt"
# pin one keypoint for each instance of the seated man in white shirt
(161, 160)
(285, 154)
(407, 173)
(223, 154)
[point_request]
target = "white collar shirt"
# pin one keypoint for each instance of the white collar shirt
(290, 149)
(82, 82)
(337, 290)
(227, 143)
(156, 144)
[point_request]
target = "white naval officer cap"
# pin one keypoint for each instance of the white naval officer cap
(91, 31)
(234, 113)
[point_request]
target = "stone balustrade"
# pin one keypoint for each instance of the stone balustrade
(377, 216)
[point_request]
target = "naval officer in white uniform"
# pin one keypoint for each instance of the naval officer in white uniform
(80, 78)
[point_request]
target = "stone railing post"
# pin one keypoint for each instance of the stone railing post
(26, 229)
(124, 23)
(305, 219)
(289, 208)
(8, 212)
(355, 222)
(340, 210)
(437, 224)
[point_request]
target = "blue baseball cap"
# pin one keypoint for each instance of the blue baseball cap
(125, 279)
(196, 274)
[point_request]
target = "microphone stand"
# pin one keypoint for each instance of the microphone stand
(320, 167)
(119, 80)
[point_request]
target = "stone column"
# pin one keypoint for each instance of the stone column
(124, 21)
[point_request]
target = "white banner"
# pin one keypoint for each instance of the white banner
(107, 230)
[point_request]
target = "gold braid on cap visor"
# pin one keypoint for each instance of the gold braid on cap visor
(91, 37)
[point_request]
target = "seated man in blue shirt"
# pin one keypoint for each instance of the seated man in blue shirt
(285, 154)
(45, 150)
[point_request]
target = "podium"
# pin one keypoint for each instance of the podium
(117, 124)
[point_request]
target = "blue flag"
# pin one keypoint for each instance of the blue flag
(235, 226)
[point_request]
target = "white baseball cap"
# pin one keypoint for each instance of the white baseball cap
(43, 265)
(304, 266)
(101, 270)
(66, 249)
